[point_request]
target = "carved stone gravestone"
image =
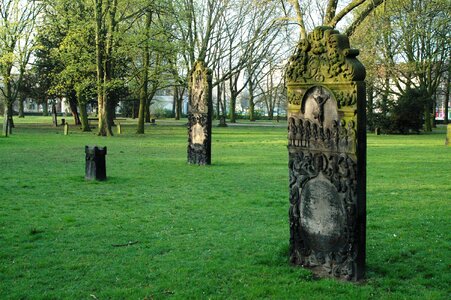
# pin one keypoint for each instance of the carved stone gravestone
(199, 115)
(95, 168)
(327, 152)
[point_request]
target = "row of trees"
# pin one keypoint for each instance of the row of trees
(405, 47)
(111, 50)
(116, 49)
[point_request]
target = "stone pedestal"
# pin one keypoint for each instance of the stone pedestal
(66, 129)
(200, 115)
(95, 163)
(327, 153)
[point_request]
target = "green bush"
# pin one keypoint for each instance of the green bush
(408, 112)
(402, 116)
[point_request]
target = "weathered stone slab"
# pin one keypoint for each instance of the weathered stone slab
(95, 163)
(200, 115)
(327, 154)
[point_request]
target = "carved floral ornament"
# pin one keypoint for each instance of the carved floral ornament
(325, 56)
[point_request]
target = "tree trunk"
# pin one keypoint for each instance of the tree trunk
(112, 110)
(54, 115)
(84, 118)
(218, 101)
(448, 80)
(104, 48)
(224, 104)
(142, 103)
(73, 102)
(251, 101)
(434, 113)
(6, 119)
(427, 118)
(10, 117)
(174, 100)
(179, 107)
(21, 107)
(45, 107)
(232, 107)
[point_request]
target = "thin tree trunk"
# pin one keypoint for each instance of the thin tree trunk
(232, 107)
(142, 107)
(218, 101)
(6, 121)
(73, 103)
(84, 118)
(427, 118)
(10, 117)
(224, 102)
(174, 100)
(251, 101)
(448, 80)
(45, 107)
(21, 107)
(54, 115)
(179, 107)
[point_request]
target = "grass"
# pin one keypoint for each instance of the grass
(206, 232)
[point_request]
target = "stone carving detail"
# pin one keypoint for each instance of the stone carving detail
(325, 56)
(326, 146)
(199, 116)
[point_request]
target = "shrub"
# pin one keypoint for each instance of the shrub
(402, 116)
(408, 112)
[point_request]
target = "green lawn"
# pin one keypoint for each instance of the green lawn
(206, 232)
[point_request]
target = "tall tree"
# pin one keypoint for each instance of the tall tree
(17, 23)
(410, 50)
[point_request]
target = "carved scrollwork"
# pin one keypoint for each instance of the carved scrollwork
(306, 166)
(324, 56)
(294, 98)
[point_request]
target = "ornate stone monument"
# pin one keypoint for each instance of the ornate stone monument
(327, 153)
(199, 115)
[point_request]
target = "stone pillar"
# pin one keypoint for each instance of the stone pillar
(327, 156)
(95, 163)
(200, 111)
(66, 129)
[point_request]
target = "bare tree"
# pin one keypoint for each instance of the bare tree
(331, 13)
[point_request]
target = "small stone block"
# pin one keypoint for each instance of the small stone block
(66, 129)
(95, 163)
(119, 128)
